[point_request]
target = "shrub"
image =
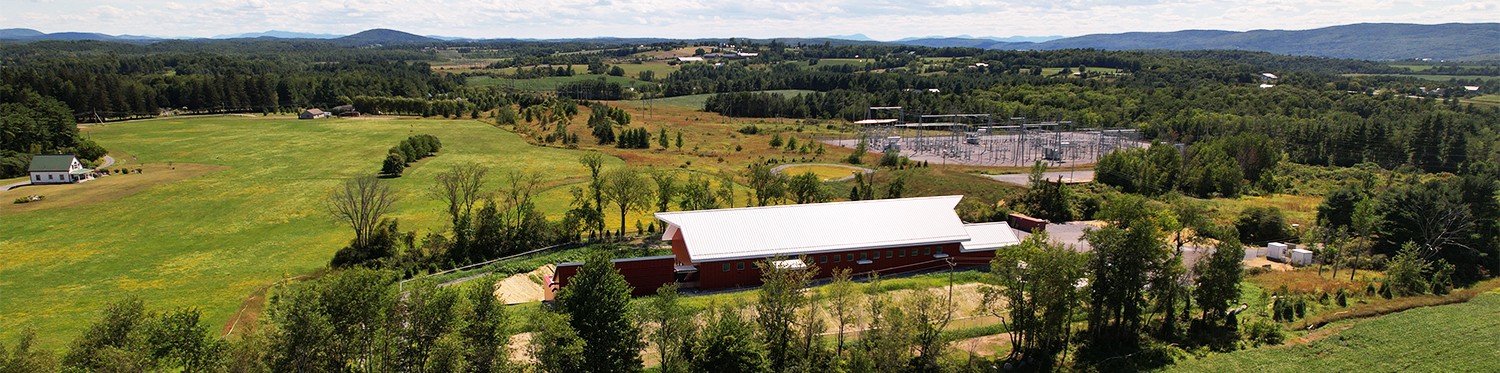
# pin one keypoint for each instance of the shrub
(394, 165)
(1262, 332)
(749, 130)
(859, 152)
(1405, 274)
(1261, 224)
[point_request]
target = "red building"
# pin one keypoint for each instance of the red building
(718, 249)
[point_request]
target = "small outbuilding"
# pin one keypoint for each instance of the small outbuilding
(58, 169)
(1302, 257)
(1276, 251)
(313, 113)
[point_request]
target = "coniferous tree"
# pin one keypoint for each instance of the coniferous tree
(597, 301)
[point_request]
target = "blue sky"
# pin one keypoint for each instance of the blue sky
(879, 19)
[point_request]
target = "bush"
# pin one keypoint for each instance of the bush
(859, 152)
(749, 130)
(394, 165)
(1258, 225)
(1262, 332)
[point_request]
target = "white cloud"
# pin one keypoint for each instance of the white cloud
(881, 19)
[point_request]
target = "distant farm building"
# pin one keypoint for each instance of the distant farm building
(689, 59)
(58, 169)
(313, 113)
(719, 249)
(344, 111)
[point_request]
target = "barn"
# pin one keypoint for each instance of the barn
(58, 169)
(718, 249)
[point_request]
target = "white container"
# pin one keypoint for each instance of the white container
(1276, 251)
(1302, 257)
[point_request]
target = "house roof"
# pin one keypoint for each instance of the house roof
(989, 236)
(44, 163)
(759, 232)
(313, 111)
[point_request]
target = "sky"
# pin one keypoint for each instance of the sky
(878, 19)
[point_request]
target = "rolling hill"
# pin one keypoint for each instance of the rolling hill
(384, 36)
(1365, 41)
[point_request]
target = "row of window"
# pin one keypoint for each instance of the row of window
(49, 177)
(871, 255)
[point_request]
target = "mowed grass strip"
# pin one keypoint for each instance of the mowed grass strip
(209, 241)
(1453, 338)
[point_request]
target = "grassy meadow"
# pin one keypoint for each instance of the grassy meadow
(240, 210)
(1462, 337)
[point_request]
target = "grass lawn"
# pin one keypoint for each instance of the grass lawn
(209, 239)
(1461, 337)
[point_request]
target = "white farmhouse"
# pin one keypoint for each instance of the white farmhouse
(58, 169)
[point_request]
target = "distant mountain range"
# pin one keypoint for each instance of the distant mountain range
(1365, 41)
(30, 35)
(280, 35)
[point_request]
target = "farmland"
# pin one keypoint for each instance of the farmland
(1453, 338)
(248, 218)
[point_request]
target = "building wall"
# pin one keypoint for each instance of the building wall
(56, 178)
(645, 275)
(712, 275)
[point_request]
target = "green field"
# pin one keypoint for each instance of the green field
(548, 83)
(210, 240)
(696, 101)
(824, 172)
(1436, 78)
(1461, 337)
(1485, 100)
(633, 70)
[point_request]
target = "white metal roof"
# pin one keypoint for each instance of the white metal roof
(875, 121)
(759, 232)
(989, 236)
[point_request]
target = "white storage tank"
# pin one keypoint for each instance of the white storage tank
(1302, 257)
(1276, 251)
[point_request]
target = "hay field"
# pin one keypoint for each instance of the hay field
(209, 239)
